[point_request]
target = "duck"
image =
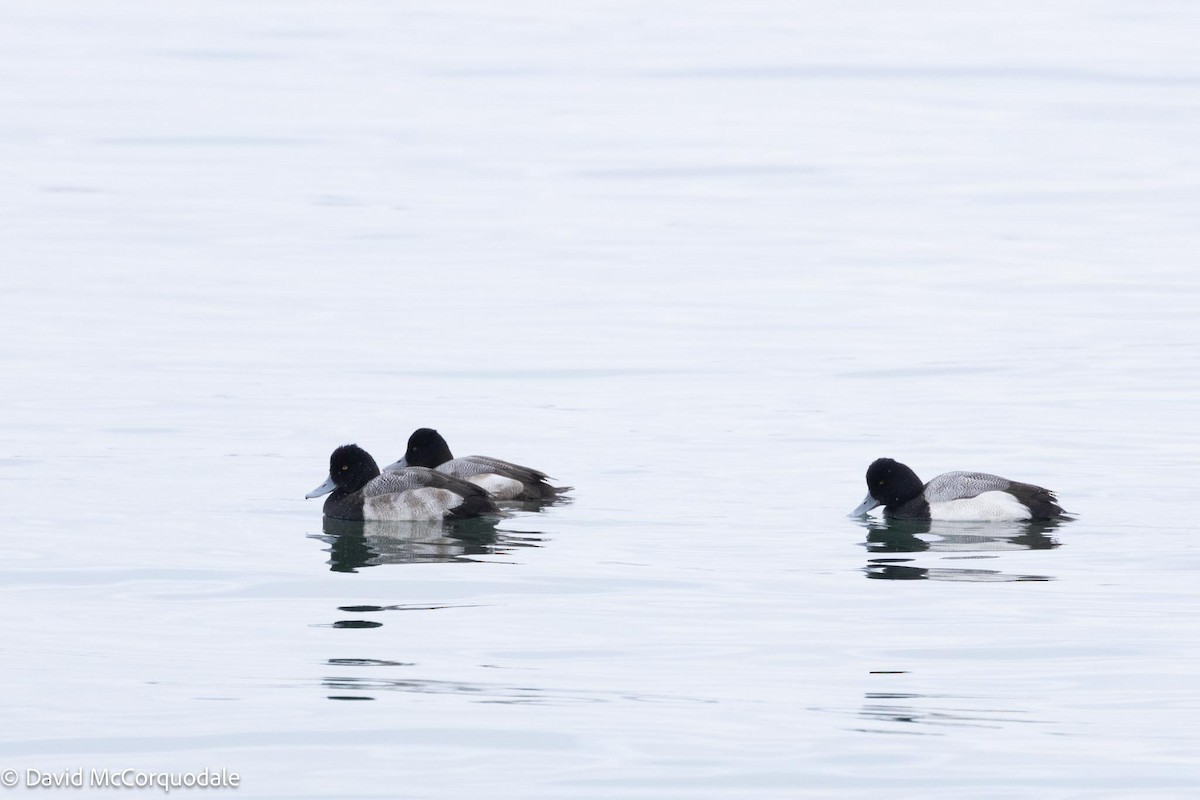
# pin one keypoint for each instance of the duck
(954, 496)
(361, 493)
(503, 480)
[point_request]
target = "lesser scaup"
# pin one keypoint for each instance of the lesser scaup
(502, 479)
(361, 493)
(954, 496)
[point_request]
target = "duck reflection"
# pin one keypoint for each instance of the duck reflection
(535, 506)
(357, 545)
(927, 713)
(347, 686)
(903, 535)
(961, 538)
(884, 569)
(477, 692)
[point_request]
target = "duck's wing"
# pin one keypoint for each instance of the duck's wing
(389, 490)
(409, 478)
(501, 480)
(963, 485)
(507, 468)
(536, 482)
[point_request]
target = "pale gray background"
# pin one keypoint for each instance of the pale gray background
(704, 261)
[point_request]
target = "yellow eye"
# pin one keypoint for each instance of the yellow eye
(345, 467)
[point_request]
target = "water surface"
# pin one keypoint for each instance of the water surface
(703, 263)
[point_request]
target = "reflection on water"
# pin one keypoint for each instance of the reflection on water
(476, 692)
(931, 711)
(904, 535)
(988, 538)
(535, 506)
(406, 607)
(362, 623)
(482, 692)
(888, 570)
(355, 545)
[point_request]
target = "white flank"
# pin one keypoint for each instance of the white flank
(425, 503)
(986, 507)
(497, 486)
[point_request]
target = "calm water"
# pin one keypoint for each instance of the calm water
(702, 263)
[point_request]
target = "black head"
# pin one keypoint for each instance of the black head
(427, 448)
(892, 483)
(351, 468)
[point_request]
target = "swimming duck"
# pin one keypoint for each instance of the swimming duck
(954, 496)
(503, 480)
(360, 492)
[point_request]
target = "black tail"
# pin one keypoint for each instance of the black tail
(544, 492)
(1042, 503)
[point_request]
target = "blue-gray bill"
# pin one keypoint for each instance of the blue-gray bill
(395, 467)
(325, 488)
(865, 506)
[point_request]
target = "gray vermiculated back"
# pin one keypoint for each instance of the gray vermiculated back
(418, 477)
(961, 485)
